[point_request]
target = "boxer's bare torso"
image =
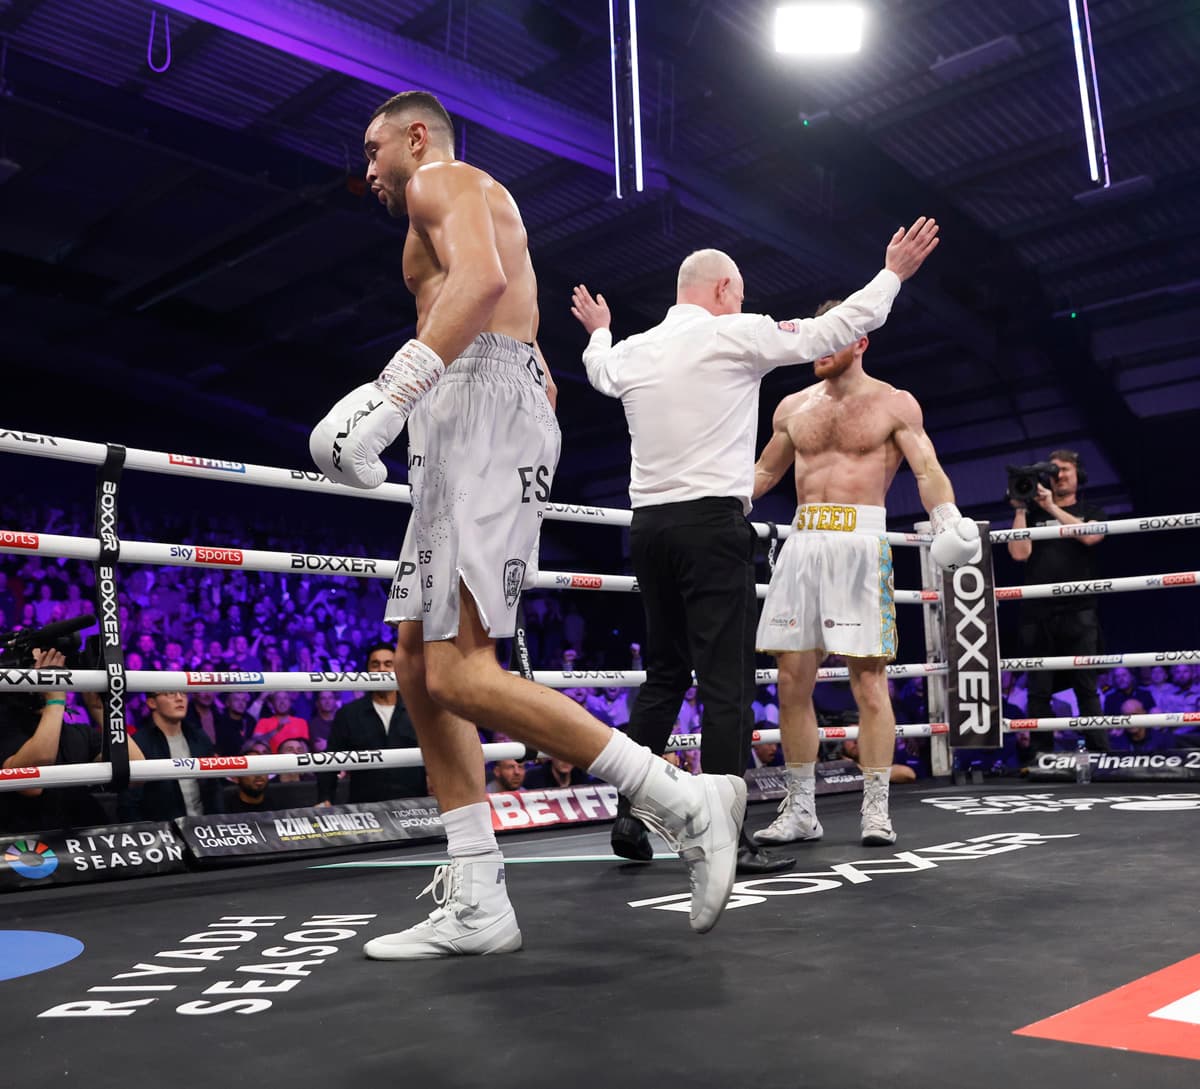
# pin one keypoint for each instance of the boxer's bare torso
(450, 189)
(845, 446)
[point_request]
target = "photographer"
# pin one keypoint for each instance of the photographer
(1063, 625)
(37, 736)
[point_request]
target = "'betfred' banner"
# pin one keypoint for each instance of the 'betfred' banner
(973, 694)
(582, 804)
(542, 808)
(79, 856)
(1175, 765)
(221, 835)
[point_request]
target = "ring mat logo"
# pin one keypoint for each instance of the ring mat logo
(991, 804)
(862, 871)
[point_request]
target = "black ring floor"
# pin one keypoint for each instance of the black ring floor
(909, 966)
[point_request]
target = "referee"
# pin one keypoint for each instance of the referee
(689, 387)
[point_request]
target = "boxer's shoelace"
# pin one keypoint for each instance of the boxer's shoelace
(794, 796)
(444, 888)
(875, 810)
(796, 801)
(689, 855)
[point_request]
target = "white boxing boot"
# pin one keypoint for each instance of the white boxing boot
(473, 916)
(701, 818)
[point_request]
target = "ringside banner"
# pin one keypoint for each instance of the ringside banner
(513, 811)
(833, 777)
(973, 692)
(220, 835)
(1175, 765)
(81, 855)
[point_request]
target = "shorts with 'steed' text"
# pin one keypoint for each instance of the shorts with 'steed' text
(831, 589)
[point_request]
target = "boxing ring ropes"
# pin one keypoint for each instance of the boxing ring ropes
(25, 542)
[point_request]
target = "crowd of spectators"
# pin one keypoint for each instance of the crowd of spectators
(181, 618)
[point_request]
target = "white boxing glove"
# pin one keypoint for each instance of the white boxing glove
(346, 445)
(955, 538)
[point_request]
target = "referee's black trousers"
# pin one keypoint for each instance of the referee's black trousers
(694, 563)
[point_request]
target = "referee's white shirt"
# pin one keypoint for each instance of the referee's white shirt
(689, 387)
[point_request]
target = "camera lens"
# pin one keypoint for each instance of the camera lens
(1023, 487)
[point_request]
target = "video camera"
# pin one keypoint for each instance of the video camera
(21, 709)
(1023, 480)
(16, 647)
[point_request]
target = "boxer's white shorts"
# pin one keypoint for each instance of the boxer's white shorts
(482, 450)
(832, 587)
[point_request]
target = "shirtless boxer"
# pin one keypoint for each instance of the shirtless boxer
(483, 446)
(831, 590)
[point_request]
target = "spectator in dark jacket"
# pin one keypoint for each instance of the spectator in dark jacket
(165, 736)
(376, 720)
(1125, 688)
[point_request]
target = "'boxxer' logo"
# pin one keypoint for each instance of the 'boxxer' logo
(108, 516)
(971, 635)
(116, 702)
(110, 617)
(756, 891)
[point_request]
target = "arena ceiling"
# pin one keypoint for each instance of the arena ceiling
(187, 260)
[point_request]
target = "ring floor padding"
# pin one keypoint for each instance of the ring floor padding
(909, 967)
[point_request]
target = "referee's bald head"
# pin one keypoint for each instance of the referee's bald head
(705, 267)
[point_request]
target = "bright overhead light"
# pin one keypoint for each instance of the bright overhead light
(1091, 132)
(812, 29)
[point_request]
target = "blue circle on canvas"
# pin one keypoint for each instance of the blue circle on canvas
(27, 952)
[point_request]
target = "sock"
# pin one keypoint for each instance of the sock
(469, 831)
(623, 763)
(801, 773)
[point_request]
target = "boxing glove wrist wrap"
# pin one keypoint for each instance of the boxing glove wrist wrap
(411, 373)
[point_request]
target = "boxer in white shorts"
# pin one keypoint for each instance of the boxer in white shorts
(484, 447)
(476, 508)
(831, 590)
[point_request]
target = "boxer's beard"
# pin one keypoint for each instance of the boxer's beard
(395, 184)
(834, 367)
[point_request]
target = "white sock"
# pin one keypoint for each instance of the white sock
(469, 831)
(623, 763)
(801, 774)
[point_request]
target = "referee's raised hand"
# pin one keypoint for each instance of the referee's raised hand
(907, 250)
(591, 313)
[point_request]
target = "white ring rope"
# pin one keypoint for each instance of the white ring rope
(146, 680)
(238, 472)
(25, 542)
(148, 552)
(1169, 581)
(208, 767)
(1115, 528)
(154, 461)
(212, 767)
(250, 559)
(1102, 722)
